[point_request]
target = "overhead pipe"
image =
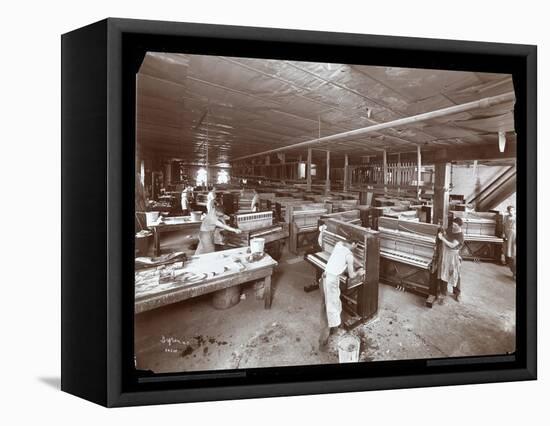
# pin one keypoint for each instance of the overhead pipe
(400, 122)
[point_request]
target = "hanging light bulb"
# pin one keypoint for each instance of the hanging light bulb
(501, 141)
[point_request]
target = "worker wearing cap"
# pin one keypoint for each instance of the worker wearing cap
(450, 260)
(210, 221)
(340, 261)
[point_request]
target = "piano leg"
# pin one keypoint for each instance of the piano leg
(314, 285)
(433, 290)
(156, 242)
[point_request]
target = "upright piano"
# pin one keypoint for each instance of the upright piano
(349, 216)
(482, 235)
(254, 225)
(359, 295)
(407, 256)
(303, 225)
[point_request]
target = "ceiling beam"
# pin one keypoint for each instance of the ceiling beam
(400, 122)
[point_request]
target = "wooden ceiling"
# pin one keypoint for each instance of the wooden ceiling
(188, 104)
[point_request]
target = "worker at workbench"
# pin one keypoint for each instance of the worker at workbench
(209, 223)
(341, 259)
(450, 260)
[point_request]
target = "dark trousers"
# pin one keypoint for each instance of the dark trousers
(511, 262)
(443, 287)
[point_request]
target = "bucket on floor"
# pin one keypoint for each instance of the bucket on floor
(348, 348)
(151, 217)
(257, 245)
(196, 216)
(143, 242)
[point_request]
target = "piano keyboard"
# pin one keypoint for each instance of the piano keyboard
(405, 258)
(321, 263)
(266, 231)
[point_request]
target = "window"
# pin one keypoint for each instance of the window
(201, 177)
(223, 177)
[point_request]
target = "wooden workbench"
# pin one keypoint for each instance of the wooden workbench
(156, 287)
(170, 224)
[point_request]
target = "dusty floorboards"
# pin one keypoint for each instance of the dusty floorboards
(193, 336)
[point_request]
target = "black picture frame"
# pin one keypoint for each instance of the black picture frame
(98, 103)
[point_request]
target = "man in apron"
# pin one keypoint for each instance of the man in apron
(208, 227)
(510, 239)
(340, 261)
(450, 260)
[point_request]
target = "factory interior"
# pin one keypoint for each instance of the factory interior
(297, 213)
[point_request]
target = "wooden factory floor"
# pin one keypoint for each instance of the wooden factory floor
(192, 335)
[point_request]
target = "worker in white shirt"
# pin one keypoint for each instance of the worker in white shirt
(210, 197)
(340, 261)
(185, 201)
(210, 222)
(255, 204)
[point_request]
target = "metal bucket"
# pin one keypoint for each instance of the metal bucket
(151, 217)
(196, 216)
(348, 348)
(257, 245)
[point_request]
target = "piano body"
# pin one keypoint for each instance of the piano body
(265, 199)
(407, 251)
(482, 231)
(255, 225)
(360, 295)
(303, 219)
(349, 216)
(272, 204)
(282, 210)
(343, 205)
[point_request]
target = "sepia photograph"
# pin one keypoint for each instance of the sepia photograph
(292, 213)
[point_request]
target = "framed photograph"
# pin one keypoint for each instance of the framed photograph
(254, 212)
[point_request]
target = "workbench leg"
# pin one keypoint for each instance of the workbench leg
(267, 292)
(156, 244)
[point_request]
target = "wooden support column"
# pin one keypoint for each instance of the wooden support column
(441, 193)
(283, 162)
(385, 169)
(418, 173)
(267, 169)
(327, 177)
(346, 173)
(399, 171)
(308, 170)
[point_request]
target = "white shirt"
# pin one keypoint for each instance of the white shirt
(338, 261)
(184, 200)
(255, 200)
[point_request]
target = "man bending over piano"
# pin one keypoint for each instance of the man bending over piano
(340, 261)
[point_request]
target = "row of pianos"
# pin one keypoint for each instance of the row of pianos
(396, 244)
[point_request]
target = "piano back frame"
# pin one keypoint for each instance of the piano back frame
(304, 240)
(415, 278)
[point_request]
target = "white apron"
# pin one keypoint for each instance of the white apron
(336, 266)
(331, 288)
(449, 269)
(510, 233)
